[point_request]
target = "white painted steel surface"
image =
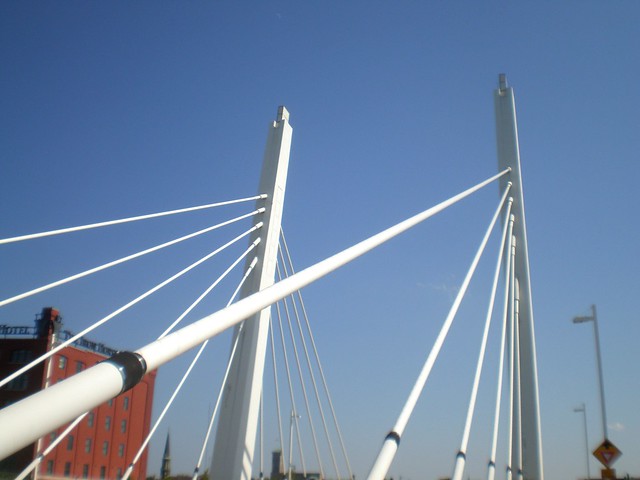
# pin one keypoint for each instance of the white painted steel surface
(237, 425)
(35, 416)
(509, 157)
(161, 351)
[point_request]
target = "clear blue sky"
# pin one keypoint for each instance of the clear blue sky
(112, 109)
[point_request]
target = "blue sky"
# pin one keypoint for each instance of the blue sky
(117, 109)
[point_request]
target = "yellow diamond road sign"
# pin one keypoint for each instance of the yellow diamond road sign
(607, 453)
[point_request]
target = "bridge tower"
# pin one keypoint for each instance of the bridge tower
(526, 440)
(237, 424)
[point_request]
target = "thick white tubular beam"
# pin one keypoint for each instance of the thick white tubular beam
(113, 263)
(491, 472)
(23, 422)
(123, 220)
(161, 351)
(458, 470)
(318, 363)
(392, 440)
(127, 306)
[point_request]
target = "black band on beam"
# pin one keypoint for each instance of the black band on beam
(132, 367)
(393, 436)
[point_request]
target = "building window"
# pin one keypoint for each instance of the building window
(87, 445)
(52, 436)
(79, 366)
(67, 469)
(49, 466)
(125, 404)
(85, 471)
(70, 442)
(105, 447)
(18, 383)
(110, 403)
(123, 426)
(107, 423)
(119, 473)
(62, 361)
(20, 356)
(103, 472)
(90, 419)
(121, 450)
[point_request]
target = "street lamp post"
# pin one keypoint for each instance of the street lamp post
(593, 318)
(582, 408)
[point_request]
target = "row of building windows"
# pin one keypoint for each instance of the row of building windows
(85, 470)
(87, 445)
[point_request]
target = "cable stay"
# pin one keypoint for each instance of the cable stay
(512, 283)
(195, 358)
(119, 261)
(136, 300)
(277, 390)
(318, 363)
(69, 428)
(302, 383)
(294, 412)
(226, 373)
(392, 440)
(124, 220)
(105, 380)
(458, 470)
(306, 352)
(503, 340)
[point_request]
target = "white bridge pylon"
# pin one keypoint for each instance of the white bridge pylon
(26, 421)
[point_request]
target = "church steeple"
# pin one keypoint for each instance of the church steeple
(165, 470)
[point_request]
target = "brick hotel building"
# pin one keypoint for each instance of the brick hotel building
(107, 439)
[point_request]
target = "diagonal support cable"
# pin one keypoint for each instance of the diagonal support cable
(146, 441)
(392, 440)
(106, 379)
(302, 383)
(126, 306)
(113, 263)
(319, 364)
(503, 340)
(309, 366)
(124, 220)
(458, 470)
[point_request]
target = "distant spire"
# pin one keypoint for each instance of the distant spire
(165, 470)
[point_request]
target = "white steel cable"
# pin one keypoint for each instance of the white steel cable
(294, 411)
(390, 445)
(105, 380)
(320, 369)
(313, 379)
(458, 470)
(511, 356)
(124, 220)
(226, 373)
(261, 437)
(36, 461)
(124, 259)
(193, 362)
(518, 398)
(302, 383)
(126, 306)
(491, 472)
(277, 393)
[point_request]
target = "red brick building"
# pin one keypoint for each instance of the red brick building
(107, 439)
